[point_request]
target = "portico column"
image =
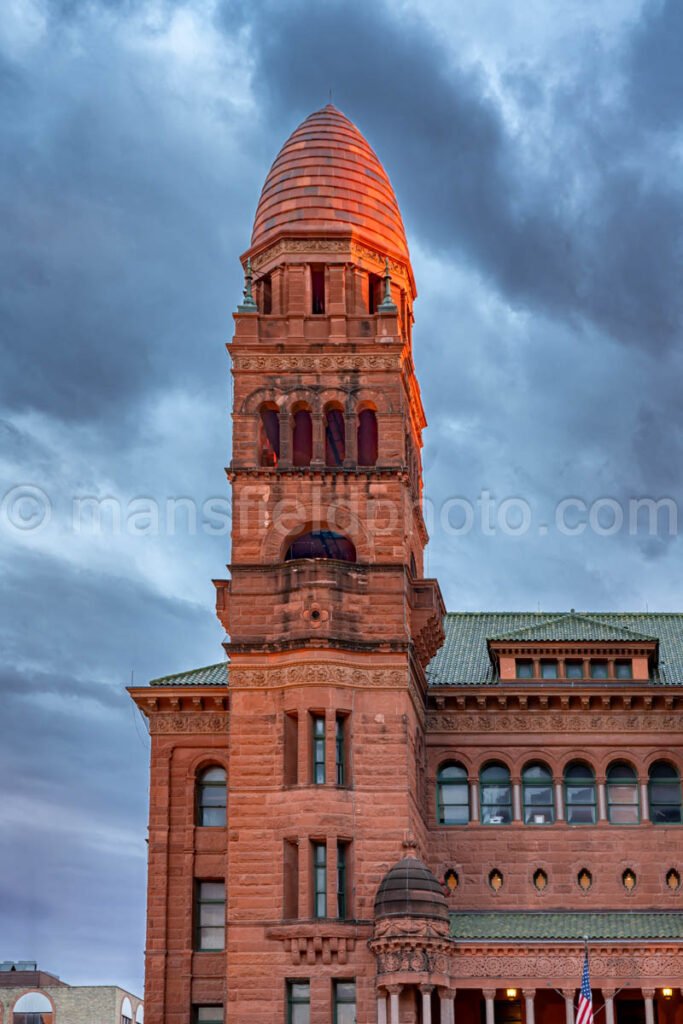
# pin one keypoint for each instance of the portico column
(426, 991)
(608, 996)
(568, 1005)
(648, 996)
(446, 997)
(529, 1004)
(381, 1007)
(489, 995)
(394, 994)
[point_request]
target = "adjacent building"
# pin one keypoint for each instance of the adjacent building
(375, 811)
(29, 995)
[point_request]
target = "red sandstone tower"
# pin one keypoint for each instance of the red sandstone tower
(330, 621)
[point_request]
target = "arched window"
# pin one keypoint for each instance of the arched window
(139, 1014)
(335, 437)
(665, 794)
(302, 437)
(126, 1011)
(537, 785)
(495, 795)
(367, 438)
(211, 797)
(269, 435)
(452, 795)
(322, 544)
(32, 1008)
(623, 806)
(579, 794)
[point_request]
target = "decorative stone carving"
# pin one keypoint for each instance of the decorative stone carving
(193, 722)
(311, 363)
(311, 674)
(542, 722)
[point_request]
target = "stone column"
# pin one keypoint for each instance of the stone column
(649, 997)
(602, 800)
(489, 996)
(608, 996)
(559, 801)
(447, 996)
(474, 800)
(394, 995)
(426, 991)
(516, 800)
(381, 1008)
(529, 995)
(568, 1005)
(644, 802)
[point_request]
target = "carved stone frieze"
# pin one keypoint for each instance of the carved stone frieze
(299, 362)
(550, 722)
(312, 674)
(343, 245)
(196, 722)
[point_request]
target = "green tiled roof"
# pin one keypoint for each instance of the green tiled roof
(566, 926)
(572, 627)
(464, 658)
(212, 675)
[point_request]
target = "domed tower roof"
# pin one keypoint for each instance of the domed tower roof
(409, 889)
(325, 180)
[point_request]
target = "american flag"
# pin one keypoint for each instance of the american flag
(585, 1011)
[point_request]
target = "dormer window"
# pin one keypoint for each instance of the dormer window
(599, 669)
(623, 669)
(525, 669)
(573, 669)
(549, 669)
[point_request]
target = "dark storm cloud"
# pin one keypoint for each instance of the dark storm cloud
(655, 65)
(536, 227)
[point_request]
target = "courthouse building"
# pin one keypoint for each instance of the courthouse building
(376, 811)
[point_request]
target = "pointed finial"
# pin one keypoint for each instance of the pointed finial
(387, 305)
(248, 305)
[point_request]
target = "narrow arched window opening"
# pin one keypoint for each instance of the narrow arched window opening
(269, 435)
(317, 289)
(322, 544)
(335, 438)
(211, 797)
(622, 795)
(580, 795)
(32, 1008)
(537, 787)
(452, 795)
(302, 438)
(266, 294)
(367, 438)
(495, 795)
(664, 789)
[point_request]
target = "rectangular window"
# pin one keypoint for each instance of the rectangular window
(623, 669)
(525, 669)
(319, 879)
(267, 294)
(342, 880)
(548, 670)
(573, 669)
(318, 727)
(290, 868)
(298, 1002)
(317, 289)
(340, 751)
(599, 670)
(208, 1014)
(344, 1002)
(375, 290)
(210, 916)
(291, 738)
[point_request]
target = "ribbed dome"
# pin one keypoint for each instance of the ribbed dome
(409, 889)
(327, 178)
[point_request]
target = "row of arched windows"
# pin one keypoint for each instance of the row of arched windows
(580, 795)
(36, 1008)
(301, 422)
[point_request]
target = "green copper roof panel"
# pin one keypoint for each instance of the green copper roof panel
(567, 926)
(212, 675)
(580, 628)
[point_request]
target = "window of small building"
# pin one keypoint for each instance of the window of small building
(538, 796)
(623, 669)
(367, 438)
(335, 437)
(269, 435)
(209, 916)
(32, 1008)
(599, 669)
(664, 790)
(298, 1002)
(208, 1014)
(495, 795)
(126, 1011)
(322, 544)
(302, 437)
(452, 795)
(344, 1002)
(319, 851)
(580, 795)
(524, 668)
(573, 669)
(623, 806)
(211, 797)
(317, 289)
(549, 669)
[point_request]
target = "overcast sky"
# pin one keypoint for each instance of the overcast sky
(536, 154)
